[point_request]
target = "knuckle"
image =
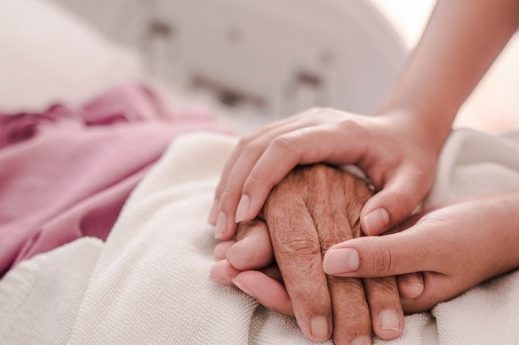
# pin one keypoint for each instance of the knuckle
(402, 204)
(348, 125)
(252, 148)
(382, 261)
(301, 246)
(382, 287)
(283, 143)
(243, 142)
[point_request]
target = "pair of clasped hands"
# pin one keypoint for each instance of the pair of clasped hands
(302, 238)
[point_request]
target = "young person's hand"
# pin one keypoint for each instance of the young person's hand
(310, 210)
(398, 151)
(456, 248)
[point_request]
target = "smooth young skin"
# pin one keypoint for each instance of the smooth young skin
(456, 248)
(397, 149)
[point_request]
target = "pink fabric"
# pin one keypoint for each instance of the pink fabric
(66, 173)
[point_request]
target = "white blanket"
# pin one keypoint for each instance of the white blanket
(148, 284)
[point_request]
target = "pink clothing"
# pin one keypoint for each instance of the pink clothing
(66, 173)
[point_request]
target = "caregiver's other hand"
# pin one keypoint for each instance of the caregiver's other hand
(456, 248)
(396, 150)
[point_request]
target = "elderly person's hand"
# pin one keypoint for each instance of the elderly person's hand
(310, 210)
(456, 247)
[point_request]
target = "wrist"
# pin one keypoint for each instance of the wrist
(510, 203)
(429, 126)
(498, 216)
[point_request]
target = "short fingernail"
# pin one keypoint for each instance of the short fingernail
(242, 288)
(221, 225)
(363, 340)
(213, 275)
(376, 220)
(221, 249)
(243, 208)
(235, 255)
(341, 260)
(388, 320)
(319, 328)
(410, 285)
(213, 213)
(414, 290)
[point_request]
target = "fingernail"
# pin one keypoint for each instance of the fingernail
(242, 288)
(233, 254)
(363, 340)
(319, 328)
(221, 225)
(341, 260)
(221, 249)
(388, 320)
(243, 208)
(376, 221)
(213, 213)
(410, 285)
(414, 290)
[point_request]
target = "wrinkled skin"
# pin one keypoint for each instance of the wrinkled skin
(313, 208)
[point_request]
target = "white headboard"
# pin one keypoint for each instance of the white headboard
(275, 56)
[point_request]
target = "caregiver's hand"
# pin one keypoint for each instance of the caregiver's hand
(456, 247)
(396, 150)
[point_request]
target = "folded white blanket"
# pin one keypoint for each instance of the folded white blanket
(150, 282)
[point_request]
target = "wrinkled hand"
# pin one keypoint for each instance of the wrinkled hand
(398, 154)
(456, 247)
(310, 210)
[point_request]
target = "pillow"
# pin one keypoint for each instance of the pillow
(49, 55)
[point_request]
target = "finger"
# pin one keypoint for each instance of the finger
(253, 249)
(215, 208)
(297, 251)
(396, 201)
(385, 309)
(221, 248)
(230, 197)
(418, 249)
(298, 147)
(335, 215)
(222, 272)
(410, 285)
(267, 291)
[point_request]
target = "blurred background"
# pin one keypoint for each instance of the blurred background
(249, 62)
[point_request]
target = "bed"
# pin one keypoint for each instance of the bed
(56, 56)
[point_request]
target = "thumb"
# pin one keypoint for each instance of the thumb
(403, 192)
(412, 250)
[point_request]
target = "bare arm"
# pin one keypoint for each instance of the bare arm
(460, 43)
(398, 149)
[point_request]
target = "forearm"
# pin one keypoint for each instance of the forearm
(507, 241)
(462, 39)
